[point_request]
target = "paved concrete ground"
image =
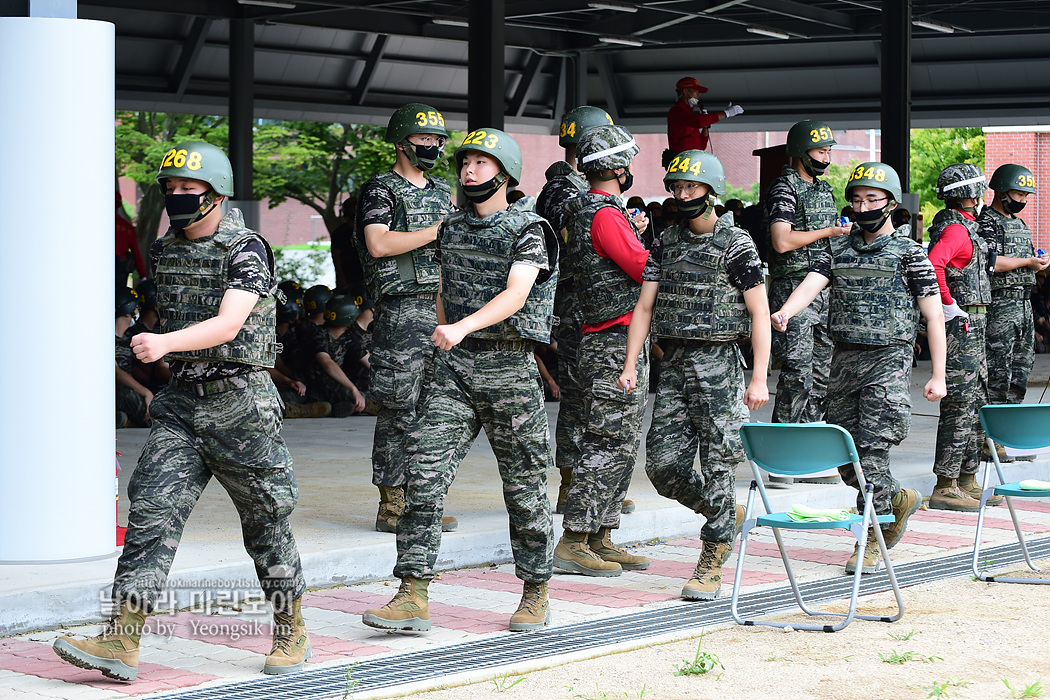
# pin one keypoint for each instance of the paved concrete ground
(333, 526)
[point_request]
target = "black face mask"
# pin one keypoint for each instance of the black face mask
(628, 181)
(1012, 206)
(814, 168)
(422, 157)
(484, 191)
(185, 209)
(873, 219)
(694, 207)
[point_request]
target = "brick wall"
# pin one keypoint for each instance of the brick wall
(1032, 150)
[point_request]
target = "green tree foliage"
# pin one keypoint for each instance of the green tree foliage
(932, 150)
(749, 195)
(837, 176)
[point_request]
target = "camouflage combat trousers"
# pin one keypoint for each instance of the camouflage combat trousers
(494, 388)
(1010, 344)
(804, 354)
(131, 404)
(611, 433)
(699, 405)
(870, 396)
(569, 429)
(234, 436)
(959, 431)
(402, 362)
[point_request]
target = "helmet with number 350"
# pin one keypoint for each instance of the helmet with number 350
(201, 161)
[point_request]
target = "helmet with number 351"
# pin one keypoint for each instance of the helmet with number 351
(201, 161)
(414, 118)
(807, 135)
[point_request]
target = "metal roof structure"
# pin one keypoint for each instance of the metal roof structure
(974, 62)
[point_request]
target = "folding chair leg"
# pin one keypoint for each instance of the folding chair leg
(749, 522)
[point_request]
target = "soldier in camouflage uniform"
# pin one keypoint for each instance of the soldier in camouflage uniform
(1010, 335)
(133, 398)
(398, 213)
(702, 292)
(962, 261)
(220, 416)
(563, 183)
(335, 356)
(607, 257)
(802, 218)
(498, 275)
(880, 281)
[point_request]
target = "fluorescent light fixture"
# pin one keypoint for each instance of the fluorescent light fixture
(622, 40)
(775, 34)
(269, 3)
(451, 21)
(935, 26)
(615, 6)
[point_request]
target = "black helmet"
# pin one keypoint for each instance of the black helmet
(288, 310)
(315, 298)
(147, 291)
(293, 291)
(340, 310)
(127, 302)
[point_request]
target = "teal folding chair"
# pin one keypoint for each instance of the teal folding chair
(1021, 427)
(797, 449)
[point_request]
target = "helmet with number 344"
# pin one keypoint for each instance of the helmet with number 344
(201, 161)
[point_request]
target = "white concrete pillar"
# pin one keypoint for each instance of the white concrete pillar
(56, 289)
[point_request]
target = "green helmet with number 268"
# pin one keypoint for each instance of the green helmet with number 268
(201, 161)
(697, 166)
(497, 144)
(877, 175)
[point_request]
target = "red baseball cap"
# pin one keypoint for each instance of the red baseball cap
(685, 83)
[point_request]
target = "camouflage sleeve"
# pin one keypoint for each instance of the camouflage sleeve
(154, 256)
(375, 205)
(551, 202)
(531, 248)
(742, 262)
(651, 272)
(782, 202)
(990, 232)
(821, 264)
(250, 268)
(919, 274)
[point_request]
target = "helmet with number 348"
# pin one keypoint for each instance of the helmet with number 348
(201, 161)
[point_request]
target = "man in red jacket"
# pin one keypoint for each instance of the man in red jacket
(688, 121)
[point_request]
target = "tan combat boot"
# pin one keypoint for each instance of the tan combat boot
(563, 490)
(534, 610)
(391, 506)
(574, 556)
(318, 409)
(904, 504)
(707, 578)
(115, 652)
(968, 485)
(948, 496)
(291, 644)
(602, 545)
(408, 610)
(872, 560)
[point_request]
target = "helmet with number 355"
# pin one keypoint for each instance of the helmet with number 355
(201, 161)
(414, 118)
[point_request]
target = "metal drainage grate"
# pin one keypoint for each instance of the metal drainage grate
(420, 665)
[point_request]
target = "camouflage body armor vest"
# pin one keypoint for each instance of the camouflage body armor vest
(870, 302)
(476, 261)
(1016, 240)
(191, 281)
(606, 290)
(969, 285)
(414, 272)
(565, 304)
(697, 300)
(814, 209)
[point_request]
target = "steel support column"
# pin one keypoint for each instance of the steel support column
(485, 81)
(242, 104)
(896, 86)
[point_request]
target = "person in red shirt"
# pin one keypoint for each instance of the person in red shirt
(962, 263)
(129, 258)
(688, 121)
